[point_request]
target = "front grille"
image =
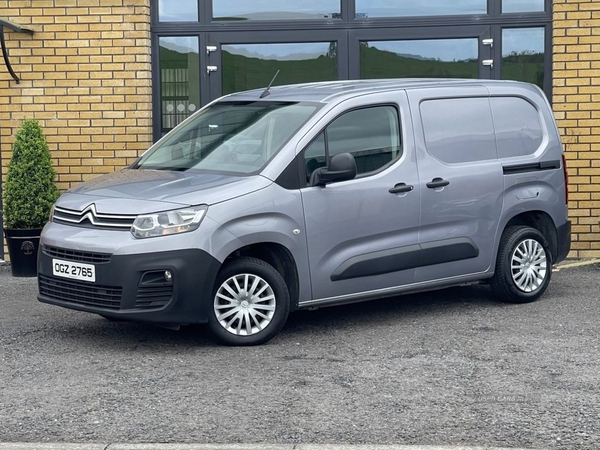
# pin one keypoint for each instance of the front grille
(74, 255)
(90, 217)
(80, 293)
(151, 297)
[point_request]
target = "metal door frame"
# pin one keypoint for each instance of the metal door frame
(217, 39)
(480, 32)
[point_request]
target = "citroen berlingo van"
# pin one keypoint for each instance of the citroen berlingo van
(270, 201)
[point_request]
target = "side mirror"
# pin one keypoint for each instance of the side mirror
(342, 167)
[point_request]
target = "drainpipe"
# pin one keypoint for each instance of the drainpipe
(17, 28)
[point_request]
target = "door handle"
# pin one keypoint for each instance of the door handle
(401, 187)
(437, 183)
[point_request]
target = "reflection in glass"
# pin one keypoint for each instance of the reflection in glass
(459, 130)
(179, 79)
(385, 8)
(443, 58)
(512, 6)
(518, 127)
(238, 137)
(250, 66)
(178, 10)
(523, 55)
(371, 135)
(276, 10)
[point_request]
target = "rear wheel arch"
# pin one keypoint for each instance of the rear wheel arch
(540, 221)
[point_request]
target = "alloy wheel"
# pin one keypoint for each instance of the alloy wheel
(529, 265)
(244, 304)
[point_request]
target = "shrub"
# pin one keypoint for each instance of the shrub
(29, 191)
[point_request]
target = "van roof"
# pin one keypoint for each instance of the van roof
(328, 91)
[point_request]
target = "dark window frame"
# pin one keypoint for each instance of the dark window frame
(420, 27)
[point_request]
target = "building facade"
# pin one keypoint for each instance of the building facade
(106, 78)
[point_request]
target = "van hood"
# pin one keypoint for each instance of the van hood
(135, 191)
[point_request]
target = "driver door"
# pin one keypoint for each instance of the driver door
(363, 233)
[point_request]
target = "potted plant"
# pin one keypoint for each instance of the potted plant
(29, 193)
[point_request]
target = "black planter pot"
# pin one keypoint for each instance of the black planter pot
(23, 247)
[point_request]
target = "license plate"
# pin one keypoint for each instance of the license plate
(73, 270)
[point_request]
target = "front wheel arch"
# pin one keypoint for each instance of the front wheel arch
(280, 258)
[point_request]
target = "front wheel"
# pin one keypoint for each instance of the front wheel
(523, 267)
(251, 302)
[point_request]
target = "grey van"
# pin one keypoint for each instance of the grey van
(270, 201)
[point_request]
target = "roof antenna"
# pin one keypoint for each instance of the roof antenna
(266, 91)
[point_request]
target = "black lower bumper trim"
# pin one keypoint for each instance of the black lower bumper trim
(193, 275)
(564, 242)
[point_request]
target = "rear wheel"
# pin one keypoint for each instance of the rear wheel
(251, 302)
(523, 267)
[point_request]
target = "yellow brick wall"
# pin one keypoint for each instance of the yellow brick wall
(86, 76)
(576, 103)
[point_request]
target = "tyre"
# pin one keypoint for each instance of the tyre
(523, 267)
(251, 302)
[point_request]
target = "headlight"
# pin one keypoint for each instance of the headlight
(168, 222)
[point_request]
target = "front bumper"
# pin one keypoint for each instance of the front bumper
(131, 287)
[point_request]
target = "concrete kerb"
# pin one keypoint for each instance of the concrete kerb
(116, 446)
(572, 264)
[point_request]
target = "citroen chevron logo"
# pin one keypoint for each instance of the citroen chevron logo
(89, 213)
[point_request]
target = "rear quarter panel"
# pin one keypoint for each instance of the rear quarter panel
(534, 189)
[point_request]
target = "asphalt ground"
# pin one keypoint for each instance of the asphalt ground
(446, 368)
(228, 447)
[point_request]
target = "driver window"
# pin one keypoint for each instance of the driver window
(371, 135)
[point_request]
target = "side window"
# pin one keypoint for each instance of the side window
(518, 127)
(371, 135)
(459, 130)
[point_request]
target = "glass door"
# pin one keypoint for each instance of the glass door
(179, 81)
(247, 60)
(523, 56)
(427, 52)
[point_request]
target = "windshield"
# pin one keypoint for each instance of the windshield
(238, 137)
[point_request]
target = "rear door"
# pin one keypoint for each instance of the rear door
(461, 181)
